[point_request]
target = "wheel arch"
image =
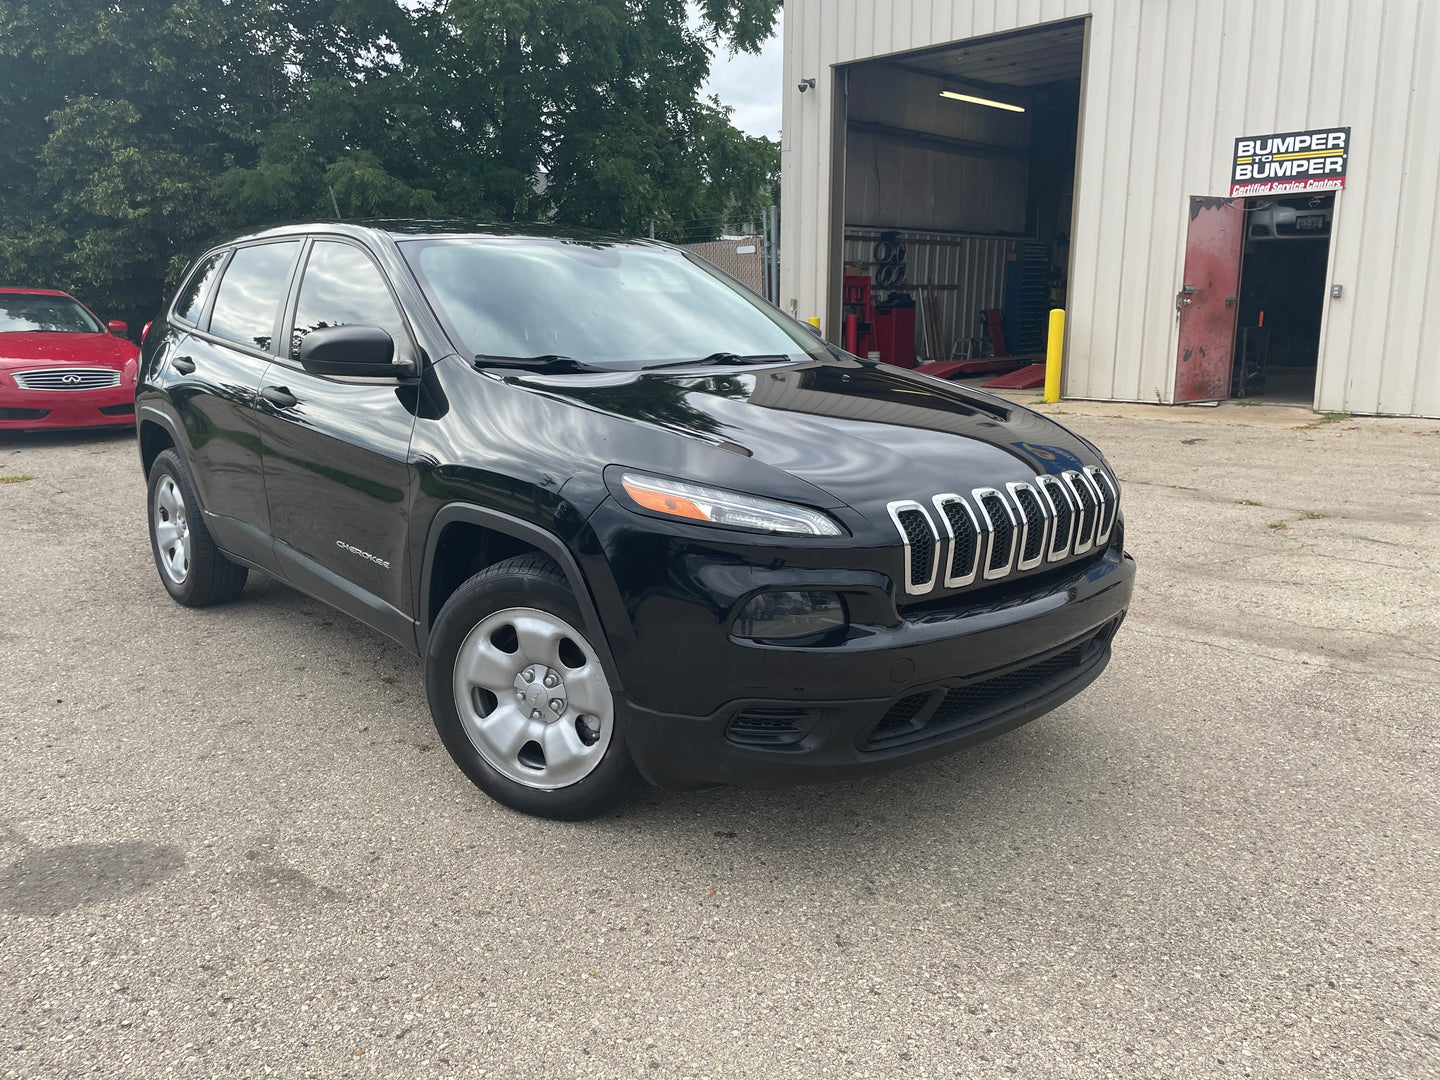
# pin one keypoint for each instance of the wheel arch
(498, 536)
(155, 433)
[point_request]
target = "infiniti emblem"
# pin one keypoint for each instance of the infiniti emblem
(70, 378)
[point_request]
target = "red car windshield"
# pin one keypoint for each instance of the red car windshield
(26, 312)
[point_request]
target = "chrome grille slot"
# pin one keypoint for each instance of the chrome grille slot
(68, 378)
(998, 521)
(1109, 503)
(1063, 514)
(1034, 525)
(992, 533)
(1087, 510)
(963, 532)
(922, 545)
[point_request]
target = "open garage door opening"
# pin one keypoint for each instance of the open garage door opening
(1282, 296)
(958, 173)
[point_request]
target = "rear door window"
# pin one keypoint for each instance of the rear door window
(342, 287)
(248, 301)
(191, 300)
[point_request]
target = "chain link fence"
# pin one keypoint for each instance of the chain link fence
(741, 257)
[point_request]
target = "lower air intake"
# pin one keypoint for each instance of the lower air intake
(771, 726)
(948, 709)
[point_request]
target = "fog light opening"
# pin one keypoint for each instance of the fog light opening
(792, 617)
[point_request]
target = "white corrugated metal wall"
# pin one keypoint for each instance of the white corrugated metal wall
(1169, 85)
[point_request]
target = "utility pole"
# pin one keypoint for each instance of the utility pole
(765, 248)
(772, 215)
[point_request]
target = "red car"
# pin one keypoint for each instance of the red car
(59, 367)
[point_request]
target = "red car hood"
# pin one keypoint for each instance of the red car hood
(19, 351)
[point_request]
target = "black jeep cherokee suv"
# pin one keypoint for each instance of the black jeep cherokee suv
(633, 517)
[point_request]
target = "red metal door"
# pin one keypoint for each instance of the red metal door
(1209, 299)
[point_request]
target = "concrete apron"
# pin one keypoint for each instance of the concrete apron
(1242, 413)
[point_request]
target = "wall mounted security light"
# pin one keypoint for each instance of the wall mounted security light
(976, 99)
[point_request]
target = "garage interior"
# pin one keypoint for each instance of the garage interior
(1282, 296)
(958, 172)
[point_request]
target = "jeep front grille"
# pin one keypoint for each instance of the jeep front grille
(1034, 525)
(991, 533)
(67, 378)
(1057, 503)
(922, 545)
(1109, 502)
(998, 522)
(1086, 506)
(962, 533)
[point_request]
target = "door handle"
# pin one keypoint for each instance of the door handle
(183, 364)
(279, 397)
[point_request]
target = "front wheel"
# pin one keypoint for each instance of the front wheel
(520, 698)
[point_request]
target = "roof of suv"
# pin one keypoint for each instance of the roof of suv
(417, 227)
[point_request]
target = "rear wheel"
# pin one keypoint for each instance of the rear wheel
(520, 698)
(192, 569)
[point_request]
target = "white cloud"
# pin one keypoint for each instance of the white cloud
(750, 84)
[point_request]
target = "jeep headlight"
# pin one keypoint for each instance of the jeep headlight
(696, 502)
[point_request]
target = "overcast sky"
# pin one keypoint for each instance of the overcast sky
(751, 86)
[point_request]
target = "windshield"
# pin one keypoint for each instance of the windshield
(20, 312)
(613, 306)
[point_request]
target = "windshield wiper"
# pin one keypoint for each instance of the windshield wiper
(545, 364)
(735, 358)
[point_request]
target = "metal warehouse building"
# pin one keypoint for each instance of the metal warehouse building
(1232, 198)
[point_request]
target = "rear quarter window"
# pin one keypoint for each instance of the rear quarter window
(190, 301)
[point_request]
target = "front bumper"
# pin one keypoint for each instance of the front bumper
(936, 683)
(33, 409)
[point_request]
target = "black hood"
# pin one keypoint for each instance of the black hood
(864, 433)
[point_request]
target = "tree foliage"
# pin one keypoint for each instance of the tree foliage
(134, 131)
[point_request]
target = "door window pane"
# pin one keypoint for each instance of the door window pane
(251, 291)
(191, 300)
(343, 287)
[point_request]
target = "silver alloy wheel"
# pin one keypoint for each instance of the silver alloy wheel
(533, 699)
(172, 531)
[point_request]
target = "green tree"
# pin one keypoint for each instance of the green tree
(600, 100)
(135, 131)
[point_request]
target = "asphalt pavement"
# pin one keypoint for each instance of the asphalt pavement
(231, 845)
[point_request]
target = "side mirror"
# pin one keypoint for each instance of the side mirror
(348, 350)
(118, 328)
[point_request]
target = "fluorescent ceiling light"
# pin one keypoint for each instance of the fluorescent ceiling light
(957, 96)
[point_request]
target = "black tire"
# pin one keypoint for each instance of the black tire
(208, 576)
(524, 583)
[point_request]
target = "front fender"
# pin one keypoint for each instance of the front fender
(529, 533)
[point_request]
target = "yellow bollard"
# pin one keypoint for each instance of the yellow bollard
(1054, 346)
(814, 321)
